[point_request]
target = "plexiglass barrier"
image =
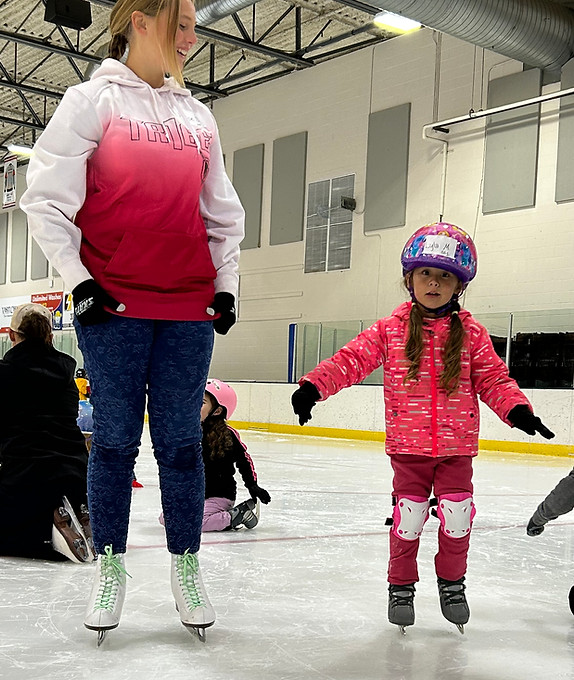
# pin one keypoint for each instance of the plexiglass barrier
(538, 346)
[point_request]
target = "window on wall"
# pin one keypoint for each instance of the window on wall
(329, 226)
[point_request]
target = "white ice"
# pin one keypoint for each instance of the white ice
(304, 594)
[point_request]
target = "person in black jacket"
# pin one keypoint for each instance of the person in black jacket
(43, 457)
(223, 452)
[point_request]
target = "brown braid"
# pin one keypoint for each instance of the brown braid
(117, 47)
(450, 376)
(452, 352)
(414, 346)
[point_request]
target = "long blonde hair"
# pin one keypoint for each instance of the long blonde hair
(120, 25)
(451, 358)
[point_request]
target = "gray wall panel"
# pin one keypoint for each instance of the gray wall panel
(387, 168)
(3, 246)
(565, 160)
(19, 254)
(248, 182)
(512, 144)
(39, 263)
(288, 189)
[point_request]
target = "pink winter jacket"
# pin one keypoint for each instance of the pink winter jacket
(420, 417)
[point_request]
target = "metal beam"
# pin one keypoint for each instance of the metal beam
(211, 34)
(48, 47)
(362, 6)
(93, 59)
(21, 95)
(22, 123)
(29, 89)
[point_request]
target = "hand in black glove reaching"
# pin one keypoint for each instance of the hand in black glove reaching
(523, 418)
(89, 302)
(255, 491)
(224, 305)
(534, 529)
(303, 401)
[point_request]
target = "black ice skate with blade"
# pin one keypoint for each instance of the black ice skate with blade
(245, 513)
(453, 602)
(401, 605)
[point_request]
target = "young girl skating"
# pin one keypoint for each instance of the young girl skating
(437, 361)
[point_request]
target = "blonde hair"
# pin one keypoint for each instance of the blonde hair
(451, 356)
(120, 26)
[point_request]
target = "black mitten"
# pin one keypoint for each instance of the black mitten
(523, 418)
(303, 401)
(255, 491)
(89, 302)
(224, 305)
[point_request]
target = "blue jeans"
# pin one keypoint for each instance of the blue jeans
(168, 361)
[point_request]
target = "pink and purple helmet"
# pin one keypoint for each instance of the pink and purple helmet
(223, 394)
(444, 246)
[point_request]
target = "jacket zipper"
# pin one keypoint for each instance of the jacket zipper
(434, 397)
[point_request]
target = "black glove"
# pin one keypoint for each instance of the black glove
(303, 401)
(523, 418)
(89, 301)
(224, 305)
(534, 529)
(256, 492)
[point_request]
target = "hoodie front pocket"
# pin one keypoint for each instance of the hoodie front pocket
(167, 262)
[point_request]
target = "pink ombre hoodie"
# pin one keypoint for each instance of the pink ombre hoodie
(420, 417)
(127, 186)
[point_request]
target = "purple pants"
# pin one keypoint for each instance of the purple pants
(216, 515)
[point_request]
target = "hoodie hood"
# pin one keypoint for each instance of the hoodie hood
(113, 71)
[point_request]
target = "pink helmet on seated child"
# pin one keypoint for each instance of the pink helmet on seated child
(444, 246)
(223, 394)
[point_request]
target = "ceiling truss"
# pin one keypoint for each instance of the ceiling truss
(270, 39)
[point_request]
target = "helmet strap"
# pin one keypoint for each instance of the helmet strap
(451, 306)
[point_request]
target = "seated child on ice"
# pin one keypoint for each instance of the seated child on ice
(223, 451)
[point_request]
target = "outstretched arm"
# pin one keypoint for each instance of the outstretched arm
(558, 502)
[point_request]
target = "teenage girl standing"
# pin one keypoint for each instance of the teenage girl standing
(129, 200)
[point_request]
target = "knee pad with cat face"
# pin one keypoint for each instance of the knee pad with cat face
(409, 516)
(456, 512)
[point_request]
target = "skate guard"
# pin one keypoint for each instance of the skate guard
(456, 512)
(409, 516)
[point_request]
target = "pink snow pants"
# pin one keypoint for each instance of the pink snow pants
(216, 515)
(417, 476)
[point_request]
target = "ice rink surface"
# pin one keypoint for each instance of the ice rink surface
(303, 596)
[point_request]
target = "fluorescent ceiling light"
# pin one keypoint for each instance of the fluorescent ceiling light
(20, 150)
(395, 22)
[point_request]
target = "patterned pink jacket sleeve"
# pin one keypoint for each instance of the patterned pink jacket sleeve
(352, 363)
(490, 377)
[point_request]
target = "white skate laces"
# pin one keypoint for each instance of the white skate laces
(112, 578)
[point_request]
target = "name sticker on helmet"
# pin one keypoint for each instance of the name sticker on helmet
(440, 244)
